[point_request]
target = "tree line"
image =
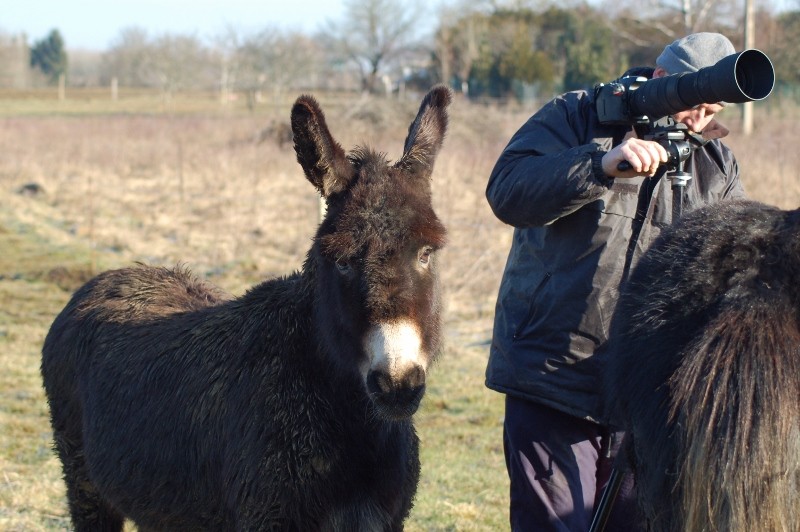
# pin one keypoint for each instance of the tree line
(484, 49)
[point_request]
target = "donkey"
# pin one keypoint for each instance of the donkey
(704, 372)
(180, 407)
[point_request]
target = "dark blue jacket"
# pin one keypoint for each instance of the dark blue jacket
(576, 235)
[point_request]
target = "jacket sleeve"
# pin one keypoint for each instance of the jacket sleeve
(546, 171)
(721, 172)
(735, 189)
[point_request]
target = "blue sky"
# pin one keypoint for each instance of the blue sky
(93, 24)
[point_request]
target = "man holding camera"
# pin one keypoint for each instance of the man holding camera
(580, 224)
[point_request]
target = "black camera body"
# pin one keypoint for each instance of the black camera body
(612, 101)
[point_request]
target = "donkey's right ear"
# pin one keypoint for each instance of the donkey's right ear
(324, 161)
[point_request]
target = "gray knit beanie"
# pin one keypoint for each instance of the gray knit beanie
(695, 51)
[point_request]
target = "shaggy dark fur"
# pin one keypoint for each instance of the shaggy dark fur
(704, 372)
(289, 408)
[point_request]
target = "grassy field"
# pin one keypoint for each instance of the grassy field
(89, 183)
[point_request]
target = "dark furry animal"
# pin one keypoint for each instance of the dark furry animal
(289, 408)
(704, 372)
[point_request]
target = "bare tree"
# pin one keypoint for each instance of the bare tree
(655, 22)
(275, 60)
(127, 58)
(225, 54)
(458, 41)
(373, 33)
(170, 62)
(84, 68)
(14, 60)
(179, 62)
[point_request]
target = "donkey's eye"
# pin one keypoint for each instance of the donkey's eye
(424, 256)
(343, 266)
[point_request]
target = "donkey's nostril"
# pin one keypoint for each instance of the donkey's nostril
(396, 398)
(379, 382)
(415, 378)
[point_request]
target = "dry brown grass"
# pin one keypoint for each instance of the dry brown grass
(769, 159)
(213, 190)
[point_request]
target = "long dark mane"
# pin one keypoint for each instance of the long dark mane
(704, 371)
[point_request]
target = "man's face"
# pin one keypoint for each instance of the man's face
(697, 118)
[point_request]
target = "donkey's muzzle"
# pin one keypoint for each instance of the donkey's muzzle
(399, 397)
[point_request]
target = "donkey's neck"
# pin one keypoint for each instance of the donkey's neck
(282, 303)
(293, 306)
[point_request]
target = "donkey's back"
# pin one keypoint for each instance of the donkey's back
(112, 318)
(121, 370)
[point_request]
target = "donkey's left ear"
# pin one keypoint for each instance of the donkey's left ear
(426, 133)
(323, 160)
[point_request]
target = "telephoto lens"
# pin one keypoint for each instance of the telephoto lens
(744, 77)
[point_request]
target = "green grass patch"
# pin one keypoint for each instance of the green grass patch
(36, 278)
(464, 483)
(87, 101)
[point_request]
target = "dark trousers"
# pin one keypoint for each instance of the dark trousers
(558, 466)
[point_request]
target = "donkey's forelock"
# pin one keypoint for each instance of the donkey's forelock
(382, 226)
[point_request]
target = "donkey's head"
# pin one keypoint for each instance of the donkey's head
(374, 255)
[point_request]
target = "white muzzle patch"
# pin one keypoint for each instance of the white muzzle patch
(394, 348)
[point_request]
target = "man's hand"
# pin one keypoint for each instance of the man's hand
(644, 157)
